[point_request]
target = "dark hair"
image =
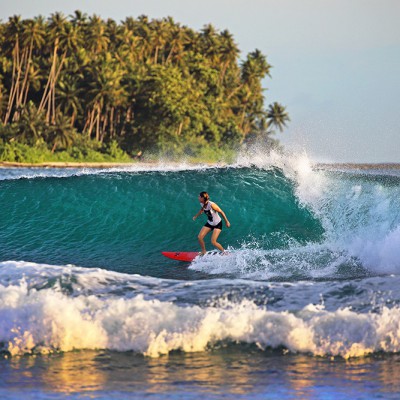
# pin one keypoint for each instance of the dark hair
(206, 198)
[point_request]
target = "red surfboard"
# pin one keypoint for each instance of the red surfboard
(187, 256)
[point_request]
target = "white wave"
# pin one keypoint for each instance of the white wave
(160, 166)
(46, 321)
(89, 280)
(382, 254)
(310, 185)
(360, 218)
(309, 261)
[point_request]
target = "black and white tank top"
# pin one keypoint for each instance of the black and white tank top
(213, 217)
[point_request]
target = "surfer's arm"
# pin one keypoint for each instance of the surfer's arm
(218, 209)
(199, 213)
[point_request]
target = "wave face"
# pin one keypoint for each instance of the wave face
(313, 263)
(122, 220)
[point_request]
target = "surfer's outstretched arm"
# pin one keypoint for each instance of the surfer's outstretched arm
(199, 213)
(218, 209)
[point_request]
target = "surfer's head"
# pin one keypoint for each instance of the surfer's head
(204, 197)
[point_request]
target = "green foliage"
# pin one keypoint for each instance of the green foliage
(82, 88)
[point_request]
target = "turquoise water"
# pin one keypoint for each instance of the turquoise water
(121, 221)
(311, 281)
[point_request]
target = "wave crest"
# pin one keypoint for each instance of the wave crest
(47, 321)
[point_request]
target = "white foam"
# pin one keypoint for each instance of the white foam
(47, 320)
(310, 185)
(312, 260)
(381, 255)
(90, 280)
(160, 166)
(361, 220)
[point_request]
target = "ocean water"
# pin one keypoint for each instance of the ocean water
(305, 305)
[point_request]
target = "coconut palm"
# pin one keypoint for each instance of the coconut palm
(177, 42)
(33, 37)
(61, 134)
(79, 19)
(69, 96)
(255, 67)
(209, 42)
(31, 128)
(97, 40)
(106, 92)
(56, 28)
(159, 37)
(228, 51)
(277, 115)
(12, 35)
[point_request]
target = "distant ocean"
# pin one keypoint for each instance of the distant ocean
(306, 305)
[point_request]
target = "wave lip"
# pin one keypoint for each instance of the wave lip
(67, 172)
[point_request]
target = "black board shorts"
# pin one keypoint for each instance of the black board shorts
(212, 227)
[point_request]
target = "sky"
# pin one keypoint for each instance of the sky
(336, 63)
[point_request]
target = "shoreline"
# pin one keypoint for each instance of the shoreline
(61, 164)
(102, 165)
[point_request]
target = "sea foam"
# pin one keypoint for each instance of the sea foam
(47, 321)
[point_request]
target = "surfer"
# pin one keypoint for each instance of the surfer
(214, 221)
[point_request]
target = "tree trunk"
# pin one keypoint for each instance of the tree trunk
(20, 87)
(9, 105)
(53, 90)
(180, 129)
(73, 118)
(156, 55)
(26, 94)
(112, 121)
(92, 121)
(45, 96)
(104, 127)
(25, 81)
(170, 54)
(98, 125)
(17, 67)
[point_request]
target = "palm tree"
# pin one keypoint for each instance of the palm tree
(56, 28)
(209, 42)
(159, 36)
(68, 96)
(228, 51)
(113, 33)
(79, 19)
(12, 35)
(33, 37)
(177, 42)
(66, 38)
(31, 127)
(277, 115)
(129, 49)
(98, 40)
(61, 134)
(106, 92)
(255, 67)
(144, 31)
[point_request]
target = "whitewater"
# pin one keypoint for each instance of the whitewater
(312, 274)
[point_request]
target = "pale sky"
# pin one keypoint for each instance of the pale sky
(336, 63)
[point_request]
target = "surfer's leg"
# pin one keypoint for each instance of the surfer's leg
(204, 231)
(214, 238)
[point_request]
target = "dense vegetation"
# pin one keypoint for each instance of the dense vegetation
(88, 89)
